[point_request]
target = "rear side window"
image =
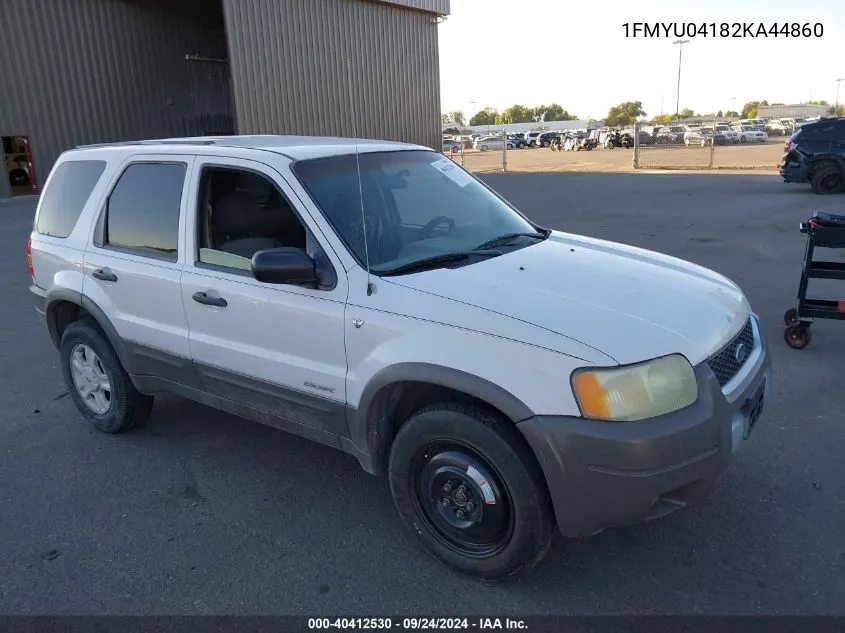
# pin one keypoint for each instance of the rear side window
(66, 195)
(142, 213)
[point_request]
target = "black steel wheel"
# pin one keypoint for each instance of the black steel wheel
(465, 504)
(469, 490)
(790, 316)
(797, 336)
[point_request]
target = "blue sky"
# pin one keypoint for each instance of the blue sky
(498, 52)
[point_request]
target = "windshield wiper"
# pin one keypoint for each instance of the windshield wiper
(435, 261)
(504, 239)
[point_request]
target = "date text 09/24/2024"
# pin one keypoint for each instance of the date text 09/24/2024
(722, 29)
(417, 624)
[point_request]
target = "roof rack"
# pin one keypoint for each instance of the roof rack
(150, 142)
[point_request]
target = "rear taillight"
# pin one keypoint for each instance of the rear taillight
(29, 259)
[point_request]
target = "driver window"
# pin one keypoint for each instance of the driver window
(243, 212)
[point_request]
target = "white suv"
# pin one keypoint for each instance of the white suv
(377, 298)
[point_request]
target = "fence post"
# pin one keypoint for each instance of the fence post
(504, 149)
(636, 157)
(713, 145)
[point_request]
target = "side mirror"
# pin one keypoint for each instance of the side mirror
(291, 266)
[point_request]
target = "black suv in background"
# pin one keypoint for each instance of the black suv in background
(815, 153)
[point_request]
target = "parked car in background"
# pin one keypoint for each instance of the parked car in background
(750, 134)
(545, 139)
(705, 136)
(815, 154)
(518, 140)
(776, 127)
(486, 143)
(671, 135)
(732, 136)
(451, 144)
(531, 138)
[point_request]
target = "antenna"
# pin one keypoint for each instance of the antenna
(358, 168)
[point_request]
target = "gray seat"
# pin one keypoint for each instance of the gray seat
(236, 225)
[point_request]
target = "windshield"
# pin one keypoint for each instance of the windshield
(417, 204)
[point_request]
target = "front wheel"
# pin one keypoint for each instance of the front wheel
(470, 492)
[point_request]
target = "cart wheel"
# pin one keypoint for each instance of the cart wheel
(797, 336)
(791, 316)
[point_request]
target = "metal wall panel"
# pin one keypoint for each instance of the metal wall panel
(291, 63)
(87, 71)
(440, 7)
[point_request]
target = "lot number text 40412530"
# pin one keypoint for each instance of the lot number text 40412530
(722, 29)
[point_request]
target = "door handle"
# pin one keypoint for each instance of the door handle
(203, 298)
(104, 274)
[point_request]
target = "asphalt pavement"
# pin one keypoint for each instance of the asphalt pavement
(204, 513)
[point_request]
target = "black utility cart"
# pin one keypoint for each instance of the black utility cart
(824, 230)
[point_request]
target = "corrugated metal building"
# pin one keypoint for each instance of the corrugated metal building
(88, 71)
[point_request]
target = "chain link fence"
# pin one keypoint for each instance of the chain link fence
(710, 144)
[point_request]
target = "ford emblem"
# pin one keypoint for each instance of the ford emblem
(741, 353)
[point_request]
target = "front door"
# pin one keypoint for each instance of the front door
(278, 349)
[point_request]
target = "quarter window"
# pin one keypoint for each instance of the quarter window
(142, 213)
(64, 198)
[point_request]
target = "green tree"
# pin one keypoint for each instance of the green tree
(456, 117)
(487, 116)
(552, 112)
(749, 110)
(624, 113)
(516, 114)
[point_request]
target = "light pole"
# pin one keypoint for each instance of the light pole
(680, 52)
(836, 107)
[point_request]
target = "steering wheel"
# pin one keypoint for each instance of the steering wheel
(426, 231)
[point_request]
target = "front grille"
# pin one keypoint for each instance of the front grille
(725, 364)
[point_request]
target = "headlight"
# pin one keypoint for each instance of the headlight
(636, 392)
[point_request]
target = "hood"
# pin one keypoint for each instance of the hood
(629, 303)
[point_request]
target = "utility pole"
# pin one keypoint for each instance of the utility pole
(680, 53)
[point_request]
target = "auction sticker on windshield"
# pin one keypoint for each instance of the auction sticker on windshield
(449, 169)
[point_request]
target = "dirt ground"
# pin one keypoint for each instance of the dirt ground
(763, 157)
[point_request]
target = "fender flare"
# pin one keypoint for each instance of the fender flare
(373, 434)
(825, 157)
(58, 295)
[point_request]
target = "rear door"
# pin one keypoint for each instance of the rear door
(134, 264)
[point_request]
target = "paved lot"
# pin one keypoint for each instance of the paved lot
(204, 513)
(750, 156)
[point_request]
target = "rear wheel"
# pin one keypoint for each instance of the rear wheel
(98, 383)
(827, 178)
(470, 492)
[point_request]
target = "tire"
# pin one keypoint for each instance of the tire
(18, 177)
(827, 178)
(126, 407)
(797, 336)
(436, 447)
(790, 316)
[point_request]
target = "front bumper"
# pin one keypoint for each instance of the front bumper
(605, 474)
